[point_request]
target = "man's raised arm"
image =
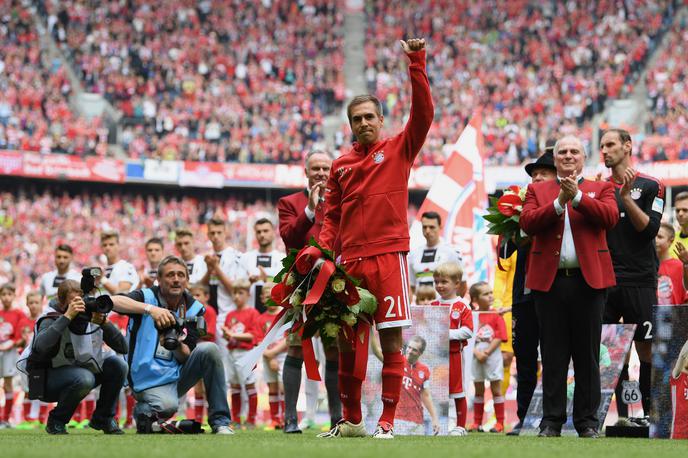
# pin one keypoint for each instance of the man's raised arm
(422, 109)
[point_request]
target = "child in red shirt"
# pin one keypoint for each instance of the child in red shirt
(679, 395)
(487, 356)
(201, 293)
(447, 279)
(10, 337)
(241, 331)
(273, 360)
(30, 409)
(671, 279)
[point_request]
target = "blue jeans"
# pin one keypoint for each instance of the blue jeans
(204, 363)
(68, 385)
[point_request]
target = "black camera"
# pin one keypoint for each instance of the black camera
(171, 335)
(101, 304)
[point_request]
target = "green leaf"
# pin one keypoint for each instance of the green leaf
(495, 219)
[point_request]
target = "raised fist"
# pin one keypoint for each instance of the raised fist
(413, 45)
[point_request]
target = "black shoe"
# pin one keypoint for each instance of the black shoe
(549, 431)
(144, 424)
(516, 430)
(589, 433)
(640, 421)
(108, 427)
(291, 426)
(54, 427)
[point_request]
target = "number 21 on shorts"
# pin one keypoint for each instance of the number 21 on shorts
(391, 312)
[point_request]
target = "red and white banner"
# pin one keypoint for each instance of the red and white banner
(11, 162)
(458, 195)
(265, 175)
(66, 167)
(202, 175)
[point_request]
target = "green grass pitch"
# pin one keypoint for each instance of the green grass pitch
(259, 444)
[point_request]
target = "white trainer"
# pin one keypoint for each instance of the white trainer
(348, 429)
(381, 433)
(223, 430)
(458, 431)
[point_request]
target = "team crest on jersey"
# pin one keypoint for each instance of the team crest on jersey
(635, 193)
(591, 194)
(421, 374)
(378, 157)
(455, 315)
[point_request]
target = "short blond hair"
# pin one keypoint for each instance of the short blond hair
(109, 235)
(183, 232)
(450, 270)
(33, 293)
(425, 292)
(199, 287)
(240, 284)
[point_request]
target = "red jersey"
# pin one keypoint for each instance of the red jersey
(413, 383)
(670, 289)
(368, 187)
(119, 320)
(243, 321)
(210, 324)
(679, 405)
(10, 327)
(26, 328)
(460, 316)
(264, 322)
(490, 326)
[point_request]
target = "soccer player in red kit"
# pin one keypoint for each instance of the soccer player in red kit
(447, 278)
(366, 202)
(415, 392)
(10, 335)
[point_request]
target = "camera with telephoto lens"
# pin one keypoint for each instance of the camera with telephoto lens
(171, 335)
(101, 304)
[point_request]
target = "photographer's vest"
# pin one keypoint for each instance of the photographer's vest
(73, 350)
(151, 364)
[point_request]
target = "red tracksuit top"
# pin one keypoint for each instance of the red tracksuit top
(367, 192)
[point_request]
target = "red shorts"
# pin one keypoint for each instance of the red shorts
(455, 376)
(386, 277)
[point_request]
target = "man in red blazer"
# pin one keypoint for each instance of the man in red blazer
(300, 218)
(569, 270)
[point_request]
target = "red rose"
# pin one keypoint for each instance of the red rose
(507, 204)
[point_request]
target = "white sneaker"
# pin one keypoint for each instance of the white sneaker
(458, 431)
(348, 429)
(223, 430)
(306, 423)
(381, 433)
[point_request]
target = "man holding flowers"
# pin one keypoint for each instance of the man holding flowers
(365, 204)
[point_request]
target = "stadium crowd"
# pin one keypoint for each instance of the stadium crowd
(34, 94)
(209, 81)
(534, 67)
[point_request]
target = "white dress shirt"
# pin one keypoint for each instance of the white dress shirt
(567, 257)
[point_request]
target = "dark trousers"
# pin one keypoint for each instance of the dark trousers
(570, 319)
(526, 338)
(68, 385)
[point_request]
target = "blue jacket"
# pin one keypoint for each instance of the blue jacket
(150, 364)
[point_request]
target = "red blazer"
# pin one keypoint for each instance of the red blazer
(596, 212)
(294, 226)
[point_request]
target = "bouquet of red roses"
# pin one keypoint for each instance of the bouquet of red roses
(503, 214)
(320, 296)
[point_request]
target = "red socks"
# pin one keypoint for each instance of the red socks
(274, 407)
(349, 389)
(199, 405)
(9, 403)
(392, 373)
(478, 409)
(236, 406)
(461, 411)
(90, 406)
(131, 402)
(252, 405)
(499, 409)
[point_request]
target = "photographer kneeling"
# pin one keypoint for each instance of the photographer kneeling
(65, 361)
(165, 360)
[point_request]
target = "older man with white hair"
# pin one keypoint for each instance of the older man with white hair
(569, 271)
